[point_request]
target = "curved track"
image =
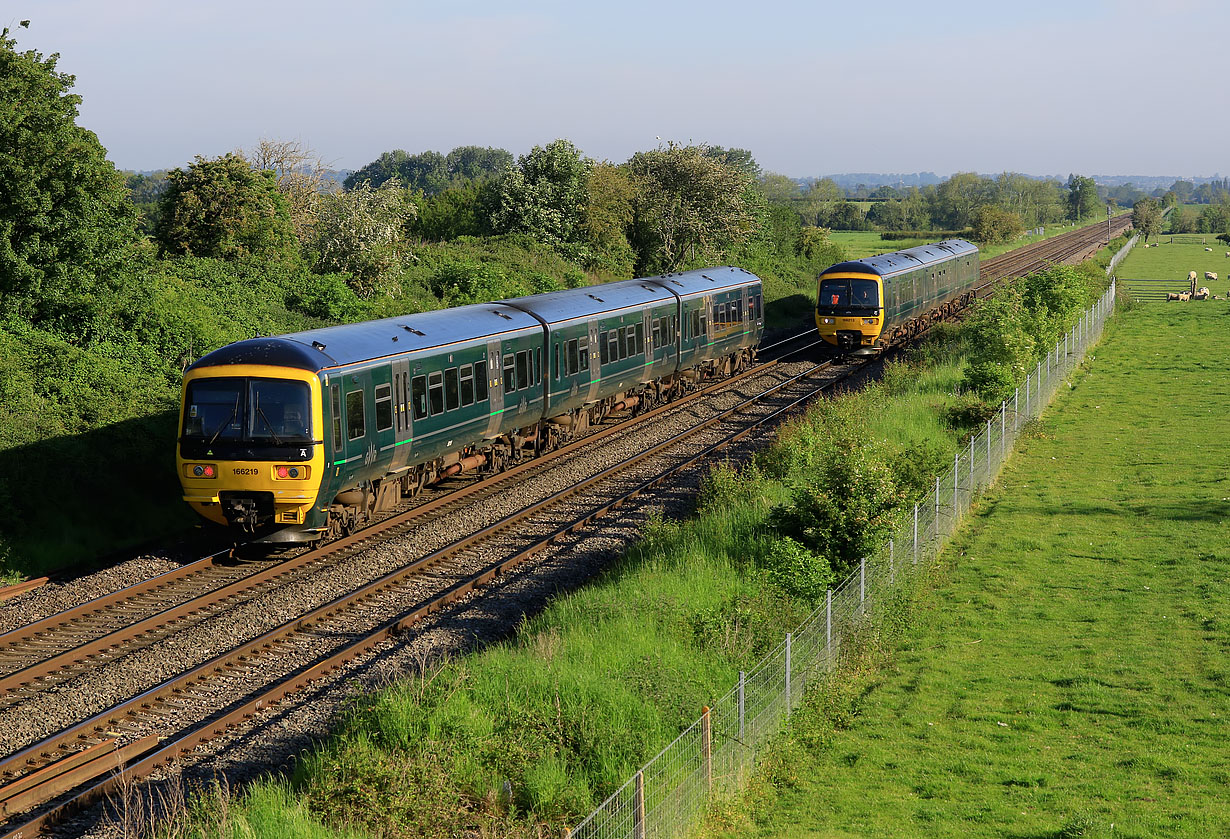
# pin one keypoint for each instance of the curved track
(75, 765)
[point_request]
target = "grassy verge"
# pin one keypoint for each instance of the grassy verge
(1068, 677)
(531, 734)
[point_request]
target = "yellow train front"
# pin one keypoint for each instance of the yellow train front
(866, 304)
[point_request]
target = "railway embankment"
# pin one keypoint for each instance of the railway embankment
(1067, 674)
(532, 733)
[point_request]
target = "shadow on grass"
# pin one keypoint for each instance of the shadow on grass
(69, 501)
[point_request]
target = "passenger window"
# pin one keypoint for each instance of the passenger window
(450, 389)
(356, 425)
(336, 402)
(640, 338)
(629, 341)
(657, 333)
(573, 363)
(604, 349)
(555, 356)
(435, 392)
(523, 370)
(537, 365)
(418, 395)
(510, 373)
(704, 326)
(612, 344)
(467, 385)
(480, 378)
(384, 407)
(583, 353)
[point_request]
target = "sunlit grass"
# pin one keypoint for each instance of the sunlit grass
(1068, 676)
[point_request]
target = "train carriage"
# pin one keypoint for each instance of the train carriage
(863, 305)
(721, 318)
(290, 438)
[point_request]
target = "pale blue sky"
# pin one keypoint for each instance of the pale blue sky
(810, 88)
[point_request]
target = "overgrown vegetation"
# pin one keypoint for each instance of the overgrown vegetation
(527, 736)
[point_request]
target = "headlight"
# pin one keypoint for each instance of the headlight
(870, 321)
(200, 470)
(295, 472)
(826, 320)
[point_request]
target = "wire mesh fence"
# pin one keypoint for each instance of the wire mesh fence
(670, 794)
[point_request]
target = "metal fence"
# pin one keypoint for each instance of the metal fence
(1122, 252)
(670, 794)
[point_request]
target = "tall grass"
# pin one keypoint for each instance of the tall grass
(528, 735)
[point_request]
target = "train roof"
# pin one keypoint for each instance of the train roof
(706, 280)
(339, 346)
(591, 301)
(886, 264)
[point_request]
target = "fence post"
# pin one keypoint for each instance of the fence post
(1003, 431)
(828, 624)
(956, 488)
(638, 807)
(742, 704)
(1038, 388)
(1016, 410)
(915, 534)
(988, 475)
(706, 737)
(969, 495)
(862, 584)
(1027, 411)
(935, 526)
(788, 638)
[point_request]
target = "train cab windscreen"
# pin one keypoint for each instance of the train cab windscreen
(847, 296)
(246, 412)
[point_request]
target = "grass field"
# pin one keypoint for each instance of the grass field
(1070, 674)
(1172, 262)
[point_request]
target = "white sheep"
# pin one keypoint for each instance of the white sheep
(1210, 275)
(1191, 275)
(1184, 296)
(1210, 250)
(1171, 295)
(1202, 294)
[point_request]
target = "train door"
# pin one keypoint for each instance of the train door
(360, 447)
(495, 387)
(402, 423)
(590, 363)
(647, 360)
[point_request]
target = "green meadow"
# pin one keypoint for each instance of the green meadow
(1068, 675)
(1172, 261)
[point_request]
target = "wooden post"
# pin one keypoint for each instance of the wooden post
(638, 808)
(706, 747)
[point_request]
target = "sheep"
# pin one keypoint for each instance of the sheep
(1210, 275)
(1210, 250)
(1202, 294)
(1191, 275)
(1170, 295)
(1228, 254)
(1184, 296)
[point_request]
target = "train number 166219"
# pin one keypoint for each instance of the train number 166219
(247, 471)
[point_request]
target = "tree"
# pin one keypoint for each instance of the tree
(1147, 217)
(740, 159)
(223, 208)
(462, 210)
(690, 206)
(300, 175)
(545, 195)
(359, 232)
(1215, 218)
(958, 199)
(1083, 200)
(66, 224)
(779, 189)
(472, 163)
(993, 225)
(608, 218)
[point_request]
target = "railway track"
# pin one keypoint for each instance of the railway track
(76, 764)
